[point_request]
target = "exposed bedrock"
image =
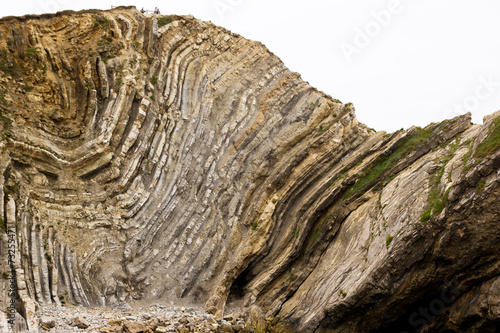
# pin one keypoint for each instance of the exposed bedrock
(148, 159)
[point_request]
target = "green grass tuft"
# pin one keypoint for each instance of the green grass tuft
(154, 79)
(118, 82)
(164, 20)
(480, 186)
(383, 163)
(492, 142)
(255, 225)
(388, 241)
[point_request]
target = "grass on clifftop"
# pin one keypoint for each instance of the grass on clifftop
(164, 20)
(383, 163)
(492, 142)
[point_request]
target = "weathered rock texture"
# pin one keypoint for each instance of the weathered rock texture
(148, 159)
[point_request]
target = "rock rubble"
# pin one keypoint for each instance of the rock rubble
(151, 319)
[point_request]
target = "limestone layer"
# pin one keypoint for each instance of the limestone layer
(162, 158)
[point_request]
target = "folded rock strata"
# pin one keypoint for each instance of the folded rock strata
(162, 158)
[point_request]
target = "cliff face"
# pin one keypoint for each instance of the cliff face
(149, 159)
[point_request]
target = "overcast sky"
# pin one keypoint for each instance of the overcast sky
(400, 62)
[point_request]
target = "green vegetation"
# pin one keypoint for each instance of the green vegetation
(322, 129)
(435, 201)
(274, 201)
(384, 163)
(118, 82)
(480, 186)
(8, 66)
(154, 79)
(441, 203)
(32, 53)
(290, 275)
(388, 241)
(99, 259)
(89, 84)
(468, 155)
(164, 20)
(101, 22)
(5, 275)
(150, 60)
(48, 257)
(316, 235)
(296, 233)
(372, 236)
(342, 293)
(3, 100)
(492, 142)
(5, 121)
(255, 225)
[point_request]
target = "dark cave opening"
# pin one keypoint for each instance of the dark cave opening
(237, 291)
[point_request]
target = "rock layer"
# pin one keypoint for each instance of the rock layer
(146, 159)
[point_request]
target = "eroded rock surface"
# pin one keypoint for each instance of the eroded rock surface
(149, 159)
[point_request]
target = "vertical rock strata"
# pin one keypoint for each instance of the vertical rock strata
(151, 159)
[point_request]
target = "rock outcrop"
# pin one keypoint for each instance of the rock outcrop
(161, 158)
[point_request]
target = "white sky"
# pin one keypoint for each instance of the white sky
(422, 61)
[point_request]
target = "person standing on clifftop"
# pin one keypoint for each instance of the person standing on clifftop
(142, 10)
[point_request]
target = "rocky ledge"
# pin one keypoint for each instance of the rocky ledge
(163, 159)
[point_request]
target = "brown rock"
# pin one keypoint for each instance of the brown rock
(112, 329)
(161, 329)
(227, 329)
(80, 323)
(236, 328)
(134, 327)
(48, 322)
(118, 322)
